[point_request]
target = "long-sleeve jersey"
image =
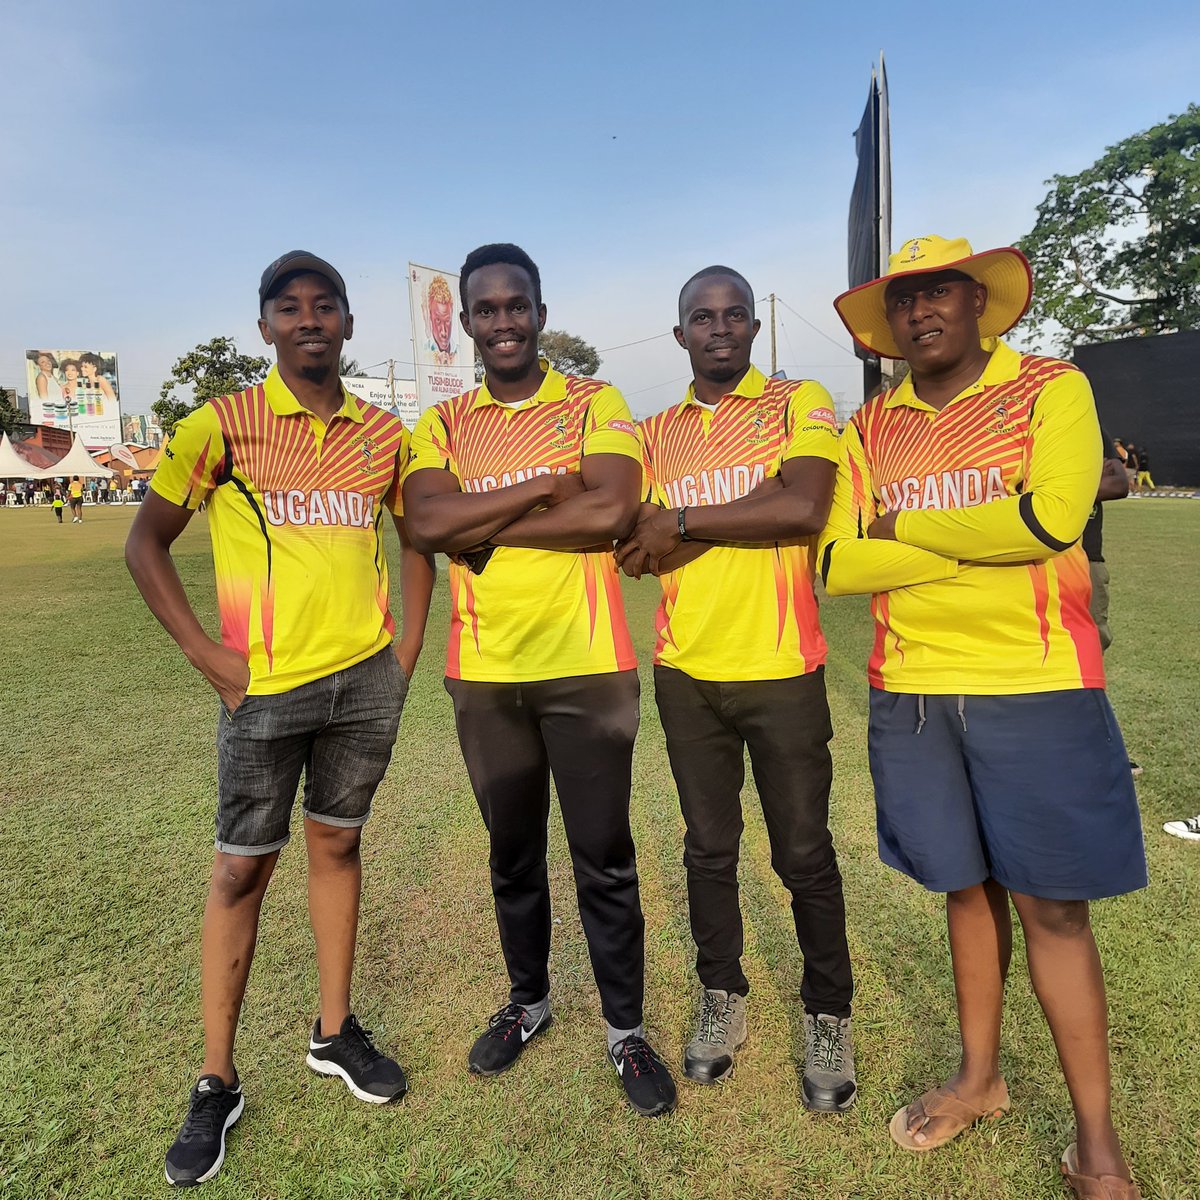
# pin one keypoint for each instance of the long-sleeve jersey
(985, 589)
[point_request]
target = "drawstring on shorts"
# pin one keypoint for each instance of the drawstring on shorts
(962, 713)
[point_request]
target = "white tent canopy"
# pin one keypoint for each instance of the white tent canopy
(13, 466)
(77, 461)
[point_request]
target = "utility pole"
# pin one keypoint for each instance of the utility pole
(392, 384)
(774, 364)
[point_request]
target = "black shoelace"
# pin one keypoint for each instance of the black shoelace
(827, 1046)
(637, 1053)
(205, 1117)
(359, 1047)
(504, 1020)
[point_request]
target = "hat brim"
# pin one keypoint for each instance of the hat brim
(1004, 272)
(301, 264)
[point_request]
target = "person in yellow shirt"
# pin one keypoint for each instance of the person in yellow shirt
(297, 476)
(1000, 774)
(526, 481)
(739, 478)
(75, 498)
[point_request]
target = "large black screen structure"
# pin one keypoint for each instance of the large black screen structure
(1148, 392)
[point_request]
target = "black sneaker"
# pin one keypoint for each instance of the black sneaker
(649, 1087)
(501, 1043)
(197, 1153)
(368, 1073)
(1134, 769)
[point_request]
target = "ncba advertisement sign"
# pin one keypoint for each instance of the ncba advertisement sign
(377, 392)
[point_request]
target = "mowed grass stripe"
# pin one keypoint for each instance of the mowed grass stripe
(106, 805)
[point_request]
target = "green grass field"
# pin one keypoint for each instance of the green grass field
(106, 800)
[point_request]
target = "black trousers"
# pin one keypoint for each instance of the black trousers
(785, 725)
(581, 729)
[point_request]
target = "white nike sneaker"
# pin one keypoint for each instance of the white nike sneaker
(501, 1043)
(1189, 829)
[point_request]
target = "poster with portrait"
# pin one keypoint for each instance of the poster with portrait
(141, 430)
(379, 393)
(445, 356)
(76, 390)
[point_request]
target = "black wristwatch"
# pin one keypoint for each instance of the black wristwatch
(683, 533)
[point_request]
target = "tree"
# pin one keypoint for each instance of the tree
(1115, 249)
(350, 368)
(210, 370)
(569, 354)
(9, 413)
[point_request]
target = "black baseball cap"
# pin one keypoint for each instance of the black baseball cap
(292, 263)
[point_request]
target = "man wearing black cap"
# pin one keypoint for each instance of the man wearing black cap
(297, 474)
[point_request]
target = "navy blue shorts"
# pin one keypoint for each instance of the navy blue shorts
(1032, 790)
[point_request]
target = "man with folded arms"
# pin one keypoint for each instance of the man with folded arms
(1000, 774)
(739, 480)
(298, 475)
(526, 481)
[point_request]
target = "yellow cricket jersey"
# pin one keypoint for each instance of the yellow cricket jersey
(531, 614)
(295, 512)
(986, 588)
(738, 612)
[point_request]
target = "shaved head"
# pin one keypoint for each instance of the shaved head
(709, 273)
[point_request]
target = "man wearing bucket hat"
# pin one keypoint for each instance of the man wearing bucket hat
(999, 768)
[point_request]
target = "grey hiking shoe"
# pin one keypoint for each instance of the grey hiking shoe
(722, 1029)
(829, 1084)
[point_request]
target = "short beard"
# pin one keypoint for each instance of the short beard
(317, 375)
(723, 374)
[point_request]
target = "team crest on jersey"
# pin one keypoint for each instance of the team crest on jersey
(366, 449)
(759, 425)
(1001, 424)
(562, 439)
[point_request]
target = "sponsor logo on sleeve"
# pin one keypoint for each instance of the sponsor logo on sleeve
(622, 426)
(823, 415)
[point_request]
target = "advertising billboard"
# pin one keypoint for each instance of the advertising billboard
(444, 355)
(141, 430)
(379, 393)
(76, 390)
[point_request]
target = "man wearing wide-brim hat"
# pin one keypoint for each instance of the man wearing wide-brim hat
(998, 766)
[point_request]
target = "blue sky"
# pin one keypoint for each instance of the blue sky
(156, 156)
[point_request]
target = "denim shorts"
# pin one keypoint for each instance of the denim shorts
(1031, 790)
(338, 731)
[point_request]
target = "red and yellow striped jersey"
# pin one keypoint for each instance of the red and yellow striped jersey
(532, 614)
(295, 512)
(985, 589)
(738, 612)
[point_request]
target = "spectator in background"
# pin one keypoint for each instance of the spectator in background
(57, 504)
(1131, 465)
(1143, 469)
(1113, 486)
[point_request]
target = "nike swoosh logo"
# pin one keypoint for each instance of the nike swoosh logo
(526, 1034)
(620, 1065)
(318, 1045)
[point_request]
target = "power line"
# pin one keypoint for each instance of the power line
(652, 387)
(639, 342)
(813, 327)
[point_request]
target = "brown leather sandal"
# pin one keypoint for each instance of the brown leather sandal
(1095, 1187)
(943, 1102)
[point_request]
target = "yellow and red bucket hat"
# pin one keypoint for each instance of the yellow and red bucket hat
(1004, 272)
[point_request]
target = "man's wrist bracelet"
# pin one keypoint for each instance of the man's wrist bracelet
(683, 533)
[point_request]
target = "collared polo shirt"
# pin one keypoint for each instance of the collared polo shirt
(738, 612)
(295, 511)
(531, 614)
(985, 589)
